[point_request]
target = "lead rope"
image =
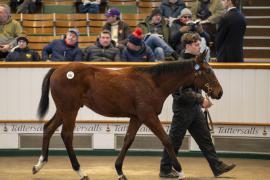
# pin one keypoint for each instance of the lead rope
(208, 117)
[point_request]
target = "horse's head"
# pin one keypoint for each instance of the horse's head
(205, 77)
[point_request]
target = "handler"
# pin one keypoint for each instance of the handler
(188, 115)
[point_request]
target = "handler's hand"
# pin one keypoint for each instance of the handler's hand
(206, 103)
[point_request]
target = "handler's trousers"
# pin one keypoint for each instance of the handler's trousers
(193, 120)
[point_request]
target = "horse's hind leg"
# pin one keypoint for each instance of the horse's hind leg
(133, 127)
(155, 126)
(48, 130)
(67, 136)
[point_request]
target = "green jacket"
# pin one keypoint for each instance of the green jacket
(215, 7)
(162, 28)
(9, 32)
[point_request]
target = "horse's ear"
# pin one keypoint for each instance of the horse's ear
(201, 58)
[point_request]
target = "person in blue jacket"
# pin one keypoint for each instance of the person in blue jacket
(22, 52)
(136, 50)
(65, 49)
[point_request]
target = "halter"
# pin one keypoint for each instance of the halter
(207, 85)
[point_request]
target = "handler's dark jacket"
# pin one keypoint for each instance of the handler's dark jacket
(188, 96)
(25, 54)
(162, 28)
(123, 31)
(100, 53)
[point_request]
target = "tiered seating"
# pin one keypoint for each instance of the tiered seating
(256, 40)
(63, 22)
(42, 24)
(257, 37)
(147, 6)
(59, 6)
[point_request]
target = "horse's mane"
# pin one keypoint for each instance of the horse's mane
(165, 68)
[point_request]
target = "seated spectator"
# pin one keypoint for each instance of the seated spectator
(22, 52)
(118, 28)
(25, 6)
(65, 49)
(103, 50)
(210, 13)
(10, 29)
(136, 50)
(171, 9)
(89, 6)
(156, 33)
(183, 25)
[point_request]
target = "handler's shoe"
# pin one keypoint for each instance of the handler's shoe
(224, 168)
(172, 174)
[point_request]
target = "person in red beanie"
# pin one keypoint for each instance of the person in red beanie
(136, 50)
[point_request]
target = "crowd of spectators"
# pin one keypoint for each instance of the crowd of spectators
(157, 38)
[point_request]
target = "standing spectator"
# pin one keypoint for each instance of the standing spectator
(22, 52)
(183, 25)
(171, 9)
(104, 50)
(118, 28)
(136, 50)
(89, 6)
(188, 115)
(157, 34)
(10, 29)
(65, 49)
(231, 30)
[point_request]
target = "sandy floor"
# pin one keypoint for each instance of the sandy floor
(136, 168)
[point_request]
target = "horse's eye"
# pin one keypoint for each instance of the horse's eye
(208, 70)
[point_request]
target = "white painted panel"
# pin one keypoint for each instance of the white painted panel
(13, 93)
(3, 94)
(261, 94)
(246, 96)
(9, 141)
(103, 141)
(236, 95)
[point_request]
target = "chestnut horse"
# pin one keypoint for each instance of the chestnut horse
(134, 92)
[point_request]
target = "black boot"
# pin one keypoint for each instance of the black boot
(223, 168)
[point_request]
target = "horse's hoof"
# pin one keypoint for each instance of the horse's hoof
(123, 177)
(34, 170)
(85, 178)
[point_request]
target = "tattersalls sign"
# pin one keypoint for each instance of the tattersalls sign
(121, 128)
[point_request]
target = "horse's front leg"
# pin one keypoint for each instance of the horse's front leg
(133, 127)
(153, 123)
(48, 130)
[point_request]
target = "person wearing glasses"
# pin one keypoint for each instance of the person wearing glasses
(188, 115)
(22, 52)
(184, 24)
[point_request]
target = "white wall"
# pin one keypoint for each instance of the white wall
(246, 96)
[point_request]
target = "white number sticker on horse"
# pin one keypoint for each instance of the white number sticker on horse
(197, 67)
(70, 75)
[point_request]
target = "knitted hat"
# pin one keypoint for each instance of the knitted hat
(136, 37)
(112, 12)
(22, 38)
(184, 12)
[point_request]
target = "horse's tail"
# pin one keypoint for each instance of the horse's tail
(44, 99)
